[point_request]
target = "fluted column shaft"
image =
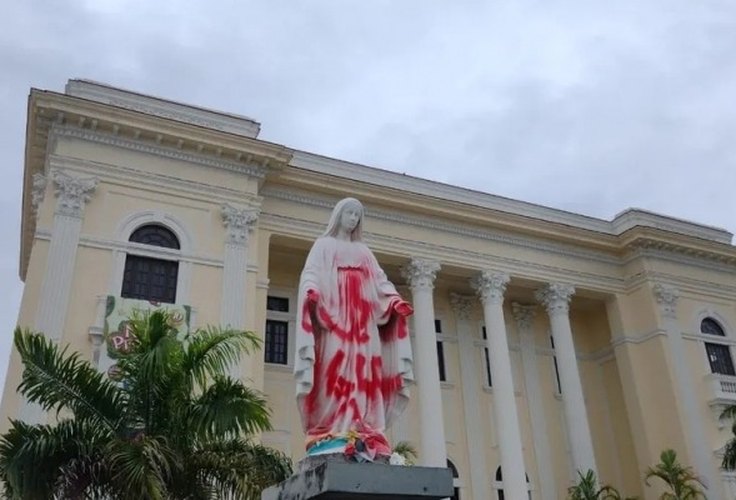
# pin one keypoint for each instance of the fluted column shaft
(556, 298)
(420, 275)
(239, 223)
(72, 194)
(490, 287)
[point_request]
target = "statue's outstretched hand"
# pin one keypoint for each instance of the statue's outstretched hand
(403, 308)
(312, 296)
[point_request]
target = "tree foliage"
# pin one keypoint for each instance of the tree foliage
(680, 480)
(587, 489)
(173, 425)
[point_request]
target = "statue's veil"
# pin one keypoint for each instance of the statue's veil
(334, 225)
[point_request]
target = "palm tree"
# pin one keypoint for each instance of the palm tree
(729, 453)
(587, 489)
(172, 425)
(679, 479)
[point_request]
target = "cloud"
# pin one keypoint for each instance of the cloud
(582, 106)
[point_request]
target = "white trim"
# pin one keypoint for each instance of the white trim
(137, 219)
(134, 220)
(164, 108)
(290, 318)
(624, 221)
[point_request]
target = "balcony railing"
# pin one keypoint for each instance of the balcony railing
(721, 393)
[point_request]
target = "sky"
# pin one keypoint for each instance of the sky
(591, 107)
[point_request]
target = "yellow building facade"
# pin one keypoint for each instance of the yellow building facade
(548, 341)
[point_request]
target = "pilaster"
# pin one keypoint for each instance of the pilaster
(239, 223)
(667, 297)
(462, 306)
(524, 317)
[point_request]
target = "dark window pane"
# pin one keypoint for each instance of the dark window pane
(484, 333)
(488, 367)
(441, 360)
(711, 327)
(279, 304)
(150, 279)
(451, 466)
(155, 235)
(437, 326)
(277, 342)
(557, 369)
(720, 360)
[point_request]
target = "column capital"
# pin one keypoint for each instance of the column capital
(667, 296)
(490, 286)
(421, 273)
(38, 190)
(555, 297)
(73, 193)
(523, 315)
(239, 223)
(462, 305)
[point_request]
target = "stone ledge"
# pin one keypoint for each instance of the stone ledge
(334, 480)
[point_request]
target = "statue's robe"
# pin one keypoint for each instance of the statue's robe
(353, 353)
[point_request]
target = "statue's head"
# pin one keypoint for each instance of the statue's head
(348, 213)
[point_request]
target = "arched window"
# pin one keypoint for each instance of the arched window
(719, 355)
(149, 278)
(455, 477)
(499, 484)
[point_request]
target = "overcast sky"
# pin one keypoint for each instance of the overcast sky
(591, 107)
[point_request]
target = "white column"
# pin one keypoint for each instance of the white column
(490, 287)
(72, 195)
(462, 306)
(239, 223)
(524, 316)
(556, 298)
(694, 426)
(421, 274)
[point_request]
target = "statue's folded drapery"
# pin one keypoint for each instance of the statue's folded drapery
(353, 354)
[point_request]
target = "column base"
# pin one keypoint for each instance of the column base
(335, 480)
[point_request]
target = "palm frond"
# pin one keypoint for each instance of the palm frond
(59, 380)
(238, 468)
(211, 351)
(227, 407)
(143, 466)
(32, 457)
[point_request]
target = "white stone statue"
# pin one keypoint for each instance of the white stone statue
(353, 353)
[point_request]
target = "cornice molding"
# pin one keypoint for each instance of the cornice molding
(624, 221)
(143, 146)
(164, 108)
(307, 230)
(452, 228)
(116, 174)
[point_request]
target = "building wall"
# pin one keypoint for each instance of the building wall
(633, 404)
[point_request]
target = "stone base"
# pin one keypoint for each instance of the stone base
(339, 480)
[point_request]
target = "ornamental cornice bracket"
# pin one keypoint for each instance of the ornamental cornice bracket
(73, 193)
(420, 274)
(490, 286)
(555, 297)
(666, 297)
(239, 223)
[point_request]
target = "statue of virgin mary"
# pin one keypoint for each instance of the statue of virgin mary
(353, 353)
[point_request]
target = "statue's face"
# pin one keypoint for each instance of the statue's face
(350, 217)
